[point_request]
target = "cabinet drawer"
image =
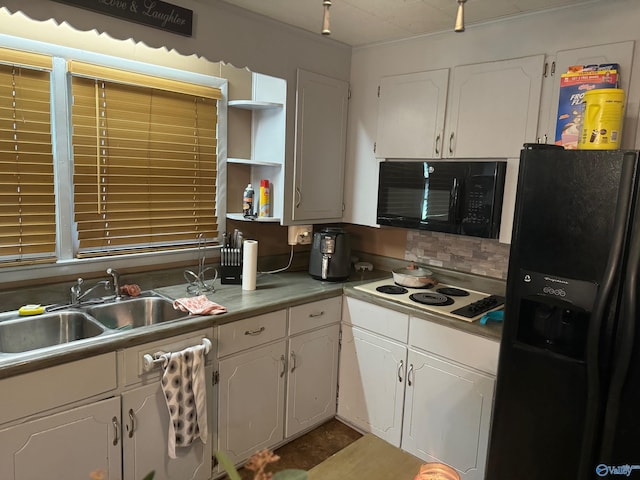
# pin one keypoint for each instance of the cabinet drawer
(134, 371)
(314, 314)
(236, 336)
(42, 390)
(465, 348)
(377, 319)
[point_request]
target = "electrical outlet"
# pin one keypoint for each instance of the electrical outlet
(299, 235)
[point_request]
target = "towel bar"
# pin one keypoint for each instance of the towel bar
(151, 361)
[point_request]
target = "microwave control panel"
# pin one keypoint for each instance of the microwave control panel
(477, 209)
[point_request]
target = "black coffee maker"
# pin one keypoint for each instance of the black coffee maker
(330, 255)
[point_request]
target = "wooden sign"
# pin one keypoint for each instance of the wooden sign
(153, 13)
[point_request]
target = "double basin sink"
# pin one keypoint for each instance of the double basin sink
(66, 324)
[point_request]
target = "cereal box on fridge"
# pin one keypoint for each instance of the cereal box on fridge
(573, 84)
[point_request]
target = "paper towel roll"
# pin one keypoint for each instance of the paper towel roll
(249, 264)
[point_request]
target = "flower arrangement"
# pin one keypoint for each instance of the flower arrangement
(257, 464)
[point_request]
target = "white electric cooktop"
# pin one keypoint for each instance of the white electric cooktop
(448, 300)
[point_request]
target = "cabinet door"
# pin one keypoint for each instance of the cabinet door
(371, 383)
(411, 115)
(251, 405)
(321, 132)
(447, 414)
(313, 378)
(145, 436)
(620, 53)
(493, 108)
(68, 445)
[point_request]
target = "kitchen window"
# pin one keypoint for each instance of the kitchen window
(114, 159)
(27, 198)
(144, 151)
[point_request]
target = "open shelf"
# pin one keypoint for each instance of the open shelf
(247, 161)
(241, 217)
(253, 105)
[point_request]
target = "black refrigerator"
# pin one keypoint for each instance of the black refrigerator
(567, 402)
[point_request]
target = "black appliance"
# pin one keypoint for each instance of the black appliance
(568, 388)
(443, 196)
(330, 257)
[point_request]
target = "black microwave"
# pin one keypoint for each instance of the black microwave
(461, 197)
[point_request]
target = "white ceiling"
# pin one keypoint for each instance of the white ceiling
(361, 22)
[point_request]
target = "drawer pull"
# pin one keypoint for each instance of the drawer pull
(400, 371)
(116, 430)
(409, 374)
(254, 332)
(284, 365)
(319, 314)
(293, 358)
(132, 423)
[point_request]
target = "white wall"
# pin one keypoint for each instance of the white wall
(221, 33)
(606, 21)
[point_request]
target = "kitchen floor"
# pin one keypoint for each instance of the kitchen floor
(312, 448)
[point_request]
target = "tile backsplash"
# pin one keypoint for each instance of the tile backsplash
(457, 252)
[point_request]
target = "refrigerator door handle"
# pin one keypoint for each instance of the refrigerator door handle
(600, 309)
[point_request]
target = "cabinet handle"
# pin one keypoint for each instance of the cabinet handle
(409, 373)
(313, 315)
(451, 144)
(254, 332)
(298, 197)
(132, 423)
(400, 371)
(284, 365)
(116, 430)
(437, 142)
(293, 358)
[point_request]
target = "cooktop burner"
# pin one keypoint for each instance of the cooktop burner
(431, 298)
(392, 289)
(453, 292)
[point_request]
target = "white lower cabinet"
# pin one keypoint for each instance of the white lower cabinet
(371, 383)
(145, 416)
(123, 434)
(313, 379)
(251, 405)
(145, 420)
(274, 381)
(447, 414)
(68, 445)
(430, 393)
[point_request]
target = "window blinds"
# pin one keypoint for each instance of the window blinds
(144, 161)
(27, 195)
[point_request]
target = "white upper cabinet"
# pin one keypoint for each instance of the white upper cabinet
(321, 134)
(411, 110)
(493, 108)
(620, 53)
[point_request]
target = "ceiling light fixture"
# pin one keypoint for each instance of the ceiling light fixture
(325, 18)
(460, 17)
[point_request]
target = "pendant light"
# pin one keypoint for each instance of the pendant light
(460, 17)
(325, 18)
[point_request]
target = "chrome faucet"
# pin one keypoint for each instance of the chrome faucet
(115, 276)
(76, 290)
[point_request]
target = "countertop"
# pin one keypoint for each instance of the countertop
(273, 292)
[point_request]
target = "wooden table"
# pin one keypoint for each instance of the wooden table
(368, 458)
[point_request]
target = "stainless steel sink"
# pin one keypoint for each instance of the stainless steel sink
(135, 312)
(24, 334)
